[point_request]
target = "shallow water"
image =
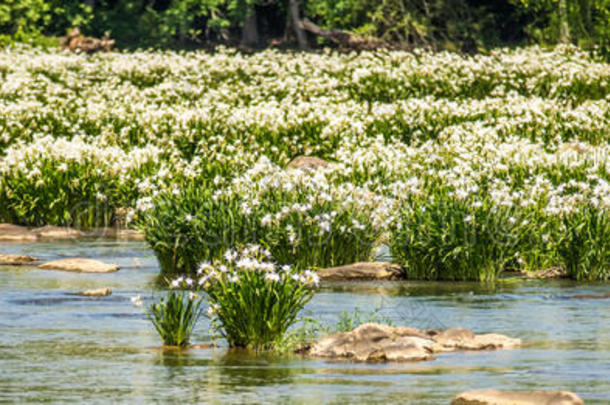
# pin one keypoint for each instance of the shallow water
(55, 347)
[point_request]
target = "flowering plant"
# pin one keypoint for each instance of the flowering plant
(175, 315)
(253, 301)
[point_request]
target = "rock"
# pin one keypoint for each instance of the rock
(121, 234)
(362, 271)
(495, 397)
(16, 260)
(100, 292)
(374, 342)
(15, 233)
(306, 163)
(464, 339)
(590, 296)
(552, 272)
(56, 232)
(80, 265)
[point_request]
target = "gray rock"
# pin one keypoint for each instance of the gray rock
(495, 397)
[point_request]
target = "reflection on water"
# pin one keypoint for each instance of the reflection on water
(60, 347)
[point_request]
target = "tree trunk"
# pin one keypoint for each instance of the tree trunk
(564, 27)
(249, 33)
(298, 29)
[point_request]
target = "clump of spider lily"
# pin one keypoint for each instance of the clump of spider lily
(253, 300)
(175, 316)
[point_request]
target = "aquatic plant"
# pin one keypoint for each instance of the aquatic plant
(446, 238)
(175, 316)
(584, 246)
(252, 300)
(194, 147)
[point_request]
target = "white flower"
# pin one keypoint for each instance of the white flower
(272, 277)
(137, 301)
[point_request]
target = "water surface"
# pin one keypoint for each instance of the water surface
(56, 347)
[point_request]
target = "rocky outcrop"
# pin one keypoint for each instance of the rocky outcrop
(362, 271)
(57, 232)
(100, 292)
(465, 339)
(495, 397)
(16, 260)
(306, 163)
(80, 265)
(373, 342)
(16, 233)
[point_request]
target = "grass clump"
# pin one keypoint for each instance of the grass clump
(175, 315)
(299, 227)
(584, 246)
(449, 239)
(253, 301)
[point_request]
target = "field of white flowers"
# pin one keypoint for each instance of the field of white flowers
(464, 166)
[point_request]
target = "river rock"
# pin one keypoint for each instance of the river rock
(100, 292)
(121, 234)
(374, 342)
(495, 397)
(362, 271)
(464, 339)
(80, 265)
(306, 163)
(16, 233)
(16, 260)
(57, 232)
(552, 272)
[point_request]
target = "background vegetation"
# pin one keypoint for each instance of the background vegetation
(466, 25)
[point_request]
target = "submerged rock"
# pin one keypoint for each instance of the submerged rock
(100, 292)
(16, 233)
(16, 260)
(374, 342)
(57, 232)
(362, 271)
(80, 265)
(306, 163)
(495, 397)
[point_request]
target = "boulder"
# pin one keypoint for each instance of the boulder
(16, 260)
(57, 232)
(463, 339)
(100, 292)
(121, 234)
(362, 271)
(306, 163)
(16, 233)
(80, 265)
(374, 342)
(495, 397)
